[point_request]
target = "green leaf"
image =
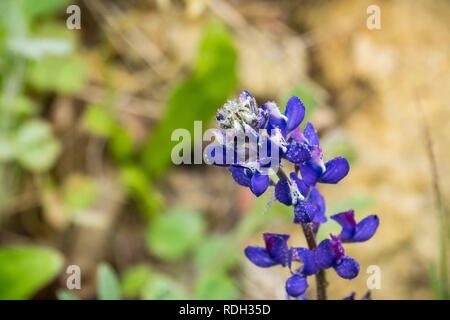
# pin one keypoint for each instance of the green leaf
(6, 149)
(108, 287)
(44, 9)
(140, 188)
(99, 120)
(121, 145)
(63, 74)
(36, 147)
(79, 193)
(195, 99)
(161, 287)
(66, 295)
(215, 286)
(174, 233)
(25, 270)
(435, 283)
(215, 252)
(134, 280)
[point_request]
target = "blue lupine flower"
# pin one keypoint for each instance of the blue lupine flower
(276, 252)
(356, 232)
(276, 136)
(294, 193)
(314, 170)
(330, 253)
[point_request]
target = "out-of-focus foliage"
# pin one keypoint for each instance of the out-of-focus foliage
(108, 286)
(173, 234)
(197, 97)
(24, 270)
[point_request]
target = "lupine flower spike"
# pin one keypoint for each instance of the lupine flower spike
(252, 142)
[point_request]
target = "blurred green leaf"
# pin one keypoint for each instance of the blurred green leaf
(140, 188)
(161, 287)
(25, 270)
(66, 295)
(172, 234)
(215, 286)
(197, 98)
(35, 146)
(435, 282)
(134, 280)
(215, 252)
(121, 145)
(45, 7)
(6, 149)
(79, 192)
(108, 287)
(99, 120)
(63, 74)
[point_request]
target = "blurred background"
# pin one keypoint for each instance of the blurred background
(86, 117)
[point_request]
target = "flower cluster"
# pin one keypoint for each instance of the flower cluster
(252, 142)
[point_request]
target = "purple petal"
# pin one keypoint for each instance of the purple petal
(259, 257)
(295, 112)
(347, 221)
(242, 176)
(318, 203)
(276, 118)
(365, 229)
(283, 192)
(307, 257)
(351, 296)
(366, 296)
(311, 134)
(336, 169)
(325, 257)
(297, 135)
(301, 185)
(297, 153)
(303, 212)
(347, 268)
(296, 285)
(309, 175)
(277, 248)
(259, 183)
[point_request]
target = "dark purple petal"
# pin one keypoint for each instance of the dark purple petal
(277, 248)
(325, 257)
(296, 285)
(318, 203)
(259, 183)
(283, 192)
(365, 229)
(259, 257)
(242, 176)
(347, 268)
(336, 169)
(309, 175)
(307, 257)
(295, 112)
(301, 185)
(303, 212)
(297, 153)
(351, 296)
(337, 247)
(347, 221)
(311, 134)
(367, 296)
